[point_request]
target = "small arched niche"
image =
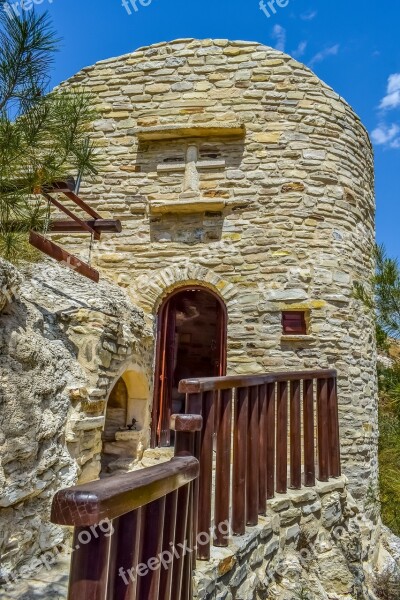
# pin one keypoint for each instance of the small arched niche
(117, 410)
(126, 429)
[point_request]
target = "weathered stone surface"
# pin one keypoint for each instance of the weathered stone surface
(10, 282)
(50, 424)
(312, 558)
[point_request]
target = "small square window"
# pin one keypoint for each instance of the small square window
(294, 323)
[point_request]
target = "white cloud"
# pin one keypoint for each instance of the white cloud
(386, 135)
(279, 34)
(392, 98)
(320, 56)
(300, 50)
(309, 16)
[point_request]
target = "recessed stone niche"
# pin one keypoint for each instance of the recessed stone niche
(126, 423)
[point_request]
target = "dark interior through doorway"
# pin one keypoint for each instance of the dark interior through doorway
(191, 342)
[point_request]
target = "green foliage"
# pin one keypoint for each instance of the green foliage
(389, 445)
(43, 138)
(385, 297)
(385, 301)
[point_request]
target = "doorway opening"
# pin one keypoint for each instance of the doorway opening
(191, 342)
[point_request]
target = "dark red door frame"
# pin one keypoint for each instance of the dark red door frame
(159, 417)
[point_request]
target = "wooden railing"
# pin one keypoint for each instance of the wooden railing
(132, 530)
(254, 428)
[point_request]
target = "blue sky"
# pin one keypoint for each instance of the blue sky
(353, 45)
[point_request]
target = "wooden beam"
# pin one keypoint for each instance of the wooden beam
(99, 225)
(72, 196)
(73, 262)
(71, 226)
(68, 189)
(72, 216)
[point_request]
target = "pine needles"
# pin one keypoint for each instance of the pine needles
(43, 136)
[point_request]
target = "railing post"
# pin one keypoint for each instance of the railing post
(309, 433)
(240, 462)
(124, 556)
(206, 472)
(295, 435)
(89, 565)
(153, 514)
(185, 427)
(323, 431)
(169, 533)
(223, 467)
(194, 406)
(271, 453)
(263, 451)
(253, 460)
(334, 437)
(282, 438)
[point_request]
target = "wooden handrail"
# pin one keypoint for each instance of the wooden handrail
(267, 432)
(88, 504)
(209, 384)
(149, 514)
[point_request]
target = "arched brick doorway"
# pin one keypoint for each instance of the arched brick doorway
(191, 342)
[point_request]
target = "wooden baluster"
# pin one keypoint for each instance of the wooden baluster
(295, 435)
(262, 463)
(181, 538)
(189, 559)
(223, 468)
(124, 555)
(89, 565)
(194, 406)
(206, 472)
(240, 462)
(186, 428)
(282, 438)
(309, 433)
(271, 415)
(334, 437)
(253, 460)
(323, 431)
(148, 584)
(171, 509)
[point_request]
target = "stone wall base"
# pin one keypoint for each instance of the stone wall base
(312, 544)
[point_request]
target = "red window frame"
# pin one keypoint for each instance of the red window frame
(294, 322)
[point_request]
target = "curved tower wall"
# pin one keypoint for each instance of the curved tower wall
(280, 218)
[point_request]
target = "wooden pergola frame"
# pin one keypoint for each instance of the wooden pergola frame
(95, 227)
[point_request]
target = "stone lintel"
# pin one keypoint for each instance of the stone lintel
(210, 129)
(298, 338)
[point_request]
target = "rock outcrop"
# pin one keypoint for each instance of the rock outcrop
(56, 369)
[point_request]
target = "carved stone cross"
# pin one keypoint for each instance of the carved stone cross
(191, 168)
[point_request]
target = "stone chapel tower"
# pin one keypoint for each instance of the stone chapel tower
(245, 188)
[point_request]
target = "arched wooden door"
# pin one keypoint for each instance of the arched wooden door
(191, 342)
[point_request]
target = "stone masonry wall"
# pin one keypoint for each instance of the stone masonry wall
(287, 223)
(307, 546)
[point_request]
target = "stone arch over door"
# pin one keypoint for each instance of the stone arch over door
(126, 430)
(151, 289)
(191, 342)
